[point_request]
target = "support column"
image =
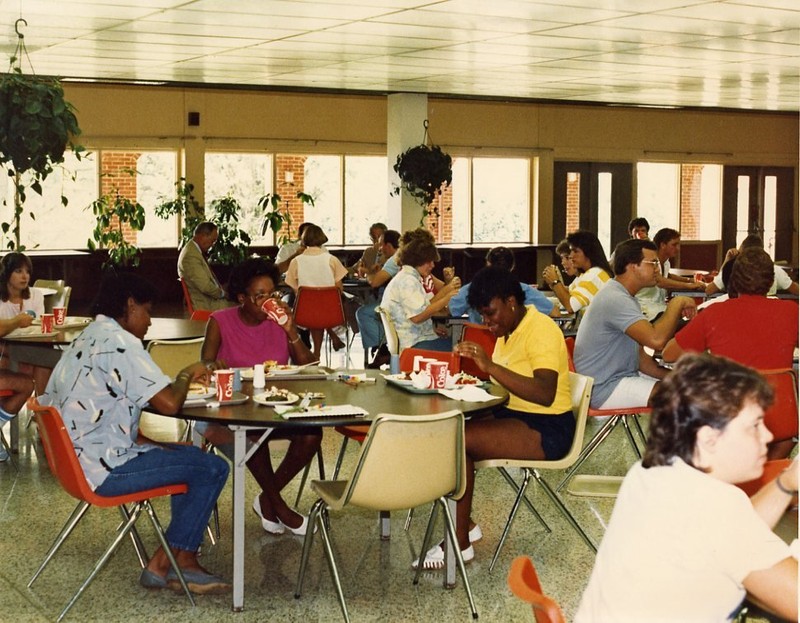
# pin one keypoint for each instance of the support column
(406, 113)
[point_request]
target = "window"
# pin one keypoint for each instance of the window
(658, 195)
(366, 196)
(323, 181)
(156, 173)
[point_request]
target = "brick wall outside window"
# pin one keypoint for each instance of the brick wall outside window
(115, 167)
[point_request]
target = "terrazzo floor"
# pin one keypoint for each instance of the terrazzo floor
(376, 575)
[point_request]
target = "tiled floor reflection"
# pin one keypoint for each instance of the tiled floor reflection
(376, 575)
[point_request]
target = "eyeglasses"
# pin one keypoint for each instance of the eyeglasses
(655, 263)
(259, 297)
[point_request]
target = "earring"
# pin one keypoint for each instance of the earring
(513, 308)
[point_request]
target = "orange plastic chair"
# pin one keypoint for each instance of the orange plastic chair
(6, 445)
(407, 358)
(771, 471)
(186, 298)
(64, 465)
(321, 308)
(481, 335)
(201, 314)
(524, 583)
(626, 417)
(781, 418)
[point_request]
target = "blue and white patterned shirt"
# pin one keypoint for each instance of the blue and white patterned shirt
(404, 298)
(100, 385)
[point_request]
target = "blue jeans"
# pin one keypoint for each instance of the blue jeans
(442, 344)
(204, 474)
(369, 325)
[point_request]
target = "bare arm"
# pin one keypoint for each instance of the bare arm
(377, 279)
(7, 325)
(656, 335)
(674, 282)
(170, 399)
(650, 366)
(432, 309)
(541, 388)
(770, 502)
(672, 351)
(775, 589)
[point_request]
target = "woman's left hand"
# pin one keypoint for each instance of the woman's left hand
(475, 352)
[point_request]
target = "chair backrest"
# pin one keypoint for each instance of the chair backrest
(186, 298)
(172, 356)
(781, 418)
(479, 334)
(581, 392)
(201, 314)
(60, 452)
(319, 308)
(408, 354)
(524, 583)
(59, 299)
(570, 342)
(771, 470)
(389, 330)
(409, 460)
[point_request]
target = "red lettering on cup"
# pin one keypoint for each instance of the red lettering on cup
(224, 385)
(275, 311)
(60, 315)
(438, 371)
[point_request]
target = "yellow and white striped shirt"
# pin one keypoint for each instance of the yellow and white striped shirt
(586, 286)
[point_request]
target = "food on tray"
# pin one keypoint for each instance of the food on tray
(462, 378)
(269, 364)
(197, 389)
(272, 365)
(276, 394)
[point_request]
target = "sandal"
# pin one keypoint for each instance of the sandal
(434, 559)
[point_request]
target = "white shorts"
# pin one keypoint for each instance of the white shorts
(631, 391)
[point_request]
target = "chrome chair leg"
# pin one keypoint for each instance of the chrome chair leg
(72, 521)
(151, 512)
(138, 545)
(451, 531)
(314, 518)
(426, 540)
(637, 423)
(520, 494)
(525, 499)
(629, 433)
(306, 471)
(599, 437)
(340, 458)
(409, 517)
(7, 447)
(337, 582)
(564, 510)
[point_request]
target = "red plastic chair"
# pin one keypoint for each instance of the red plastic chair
(524, 583)
(626, 417)
(321, 308)
(186, 298)
(66, 468)
(781, 418)
(481, 335)
(201, 314)
(771, 471)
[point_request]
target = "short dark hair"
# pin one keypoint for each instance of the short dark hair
(702, 390)
(301, 228)
(418, 251)
(380, 226)
(206, 228)
(639, 221)
(420, 233)
(493, 282)
(10, 263)
(115, 290)
(392, 237)
(753, 272)
(562, 248)
(244, 273)
(751, 240)
(589, 243)
(313, 236)
(502, 257)
(630, 252)
(665, 235)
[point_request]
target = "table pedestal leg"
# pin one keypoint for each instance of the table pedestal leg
(239, 443)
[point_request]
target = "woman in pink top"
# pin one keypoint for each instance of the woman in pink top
(317, 268)
(244, 336)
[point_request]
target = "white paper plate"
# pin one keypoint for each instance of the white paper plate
(285, 371)
(399, 379)
(270, 401)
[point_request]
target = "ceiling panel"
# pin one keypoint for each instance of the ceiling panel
(728, 53)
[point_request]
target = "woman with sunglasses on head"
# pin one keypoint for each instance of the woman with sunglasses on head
(244, 336)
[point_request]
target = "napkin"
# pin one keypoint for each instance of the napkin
(288, 412)
(468, 393)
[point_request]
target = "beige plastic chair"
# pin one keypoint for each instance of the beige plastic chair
(405, 461)
(172, 356)
(392, 341)
(59, 299)
(581, 390)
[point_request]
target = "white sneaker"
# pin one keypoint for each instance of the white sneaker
(476, 534)
(434, 559)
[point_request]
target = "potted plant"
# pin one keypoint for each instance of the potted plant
(114, 213)
(424, 171)
(37, 125)
(184, 206)
(277, 214)
(232, 244)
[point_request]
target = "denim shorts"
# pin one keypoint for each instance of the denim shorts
(557, 431)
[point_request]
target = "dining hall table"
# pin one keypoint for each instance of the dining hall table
(374, 396)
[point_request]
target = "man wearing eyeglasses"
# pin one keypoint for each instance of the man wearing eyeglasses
(204, 289)
(614, 332)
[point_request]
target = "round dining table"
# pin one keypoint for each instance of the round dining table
(374, 397)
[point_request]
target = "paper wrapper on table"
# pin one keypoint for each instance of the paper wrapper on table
(468, 393)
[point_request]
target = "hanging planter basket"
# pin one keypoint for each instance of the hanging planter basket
(424, 171)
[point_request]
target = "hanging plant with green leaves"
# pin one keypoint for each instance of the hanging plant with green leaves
(425, 171)
(37, 126)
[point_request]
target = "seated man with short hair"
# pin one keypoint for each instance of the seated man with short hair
(613, 334)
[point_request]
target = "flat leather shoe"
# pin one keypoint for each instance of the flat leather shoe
(148, 579)
(271, 527)
(301, 529)
(199, 582)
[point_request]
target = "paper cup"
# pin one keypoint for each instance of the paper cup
(60, 316)
(438, 371)
(274, 311)
(47, 323)
(224, 385)
(421, 362)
